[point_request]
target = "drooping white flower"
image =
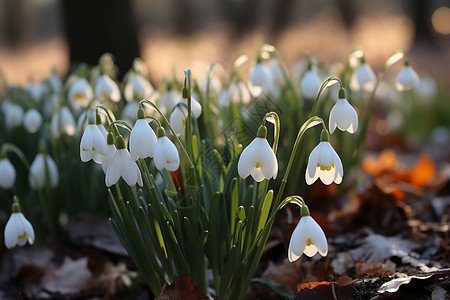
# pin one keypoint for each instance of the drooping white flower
(310, 84)
(37, 176)
(196, 107)
(35, 90)
(166, 154)
(122, 165)
(109, 154)
(55, 83)
(178, 119)
(212, 83)
(137, 88)
(276, 71)
(365, 78)
(258, 159)
(18, 229)
(93, 143)
(343, 115)
(80, 94)
(62, 122)
(260, 75)
(142, 138)
(324, 163)
(407, 79)
(32, 120)
(307, 238)
(238, 93)
(13, 115)
(7, 172)
(106, 89)
(168, 101)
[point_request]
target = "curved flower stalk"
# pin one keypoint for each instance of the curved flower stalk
(7, 172)
(122, 165)
(18, 230)
(166, 154)
(142, 138)
(258, 159)
(32, 120)
(137, 88)
(407, 79)
(324, 163)
(38, 172)
(80, 94)
(307, 237)
(106, 89)
(343, 115)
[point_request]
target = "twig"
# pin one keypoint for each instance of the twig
(331, 277)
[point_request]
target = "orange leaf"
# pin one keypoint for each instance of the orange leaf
(386, 162)
(311, 285)
(423, 171)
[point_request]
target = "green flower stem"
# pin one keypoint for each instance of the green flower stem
(14, 149)
(326, 83)
(392, 59)
(274, 115)
(110, 116)
(120, 123)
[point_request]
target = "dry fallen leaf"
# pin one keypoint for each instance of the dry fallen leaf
(73, 276)
(311, 285)
(182, 288)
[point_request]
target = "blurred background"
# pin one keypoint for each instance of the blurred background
(37, 36)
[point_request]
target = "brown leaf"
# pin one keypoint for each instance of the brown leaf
(182, 288)
(423, 171)
(73, 276)
(374, 268)
(311, 285)
(386, 162)
(345, 280)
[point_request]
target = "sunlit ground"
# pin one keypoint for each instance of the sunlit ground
(324, 36)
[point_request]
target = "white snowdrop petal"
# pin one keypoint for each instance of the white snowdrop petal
(52, 171)
(7, 174)
(313, 159)
(298, 241)
(311, 179)
(247, 160)
(268, 160)
(12, 231)
(318, 237)
(257, 174)
(260, 75)
(166, 155)
(114, 170)
(310, 84)
(29, 230)
(178, 119)
(327, 177)
(325, 154)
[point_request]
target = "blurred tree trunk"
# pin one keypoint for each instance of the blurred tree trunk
(421, 16)
(241, 15)
(14, 22)
(94, 27)
(281, 16)
(348, 11)
(183, 17)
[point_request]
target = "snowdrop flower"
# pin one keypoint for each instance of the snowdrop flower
(36, 91)
(196, 107)
(110, 151)
(62, 122)
(37, 176)
(307, 238)
(106, 89)
(80, 94)
(137, 88)
(18, 230)
(343, 115)
(239, 93)
(324, 163)
(122, 165)
(178, 119)
(93, 143)
(275, 70)
(260, 75)
(129, 112)
(166, 154)
(32, 120)
(364, 78)
(310, 84)
(215, 85)
(407, 79)
(55, 83)
(142, 138)
(7, 172)
(13, 115)
(168, 101)
(258, 159)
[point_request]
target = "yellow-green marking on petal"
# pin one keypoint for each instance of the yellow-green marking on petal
(309, 242)
(323, 168)
(24, 235)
